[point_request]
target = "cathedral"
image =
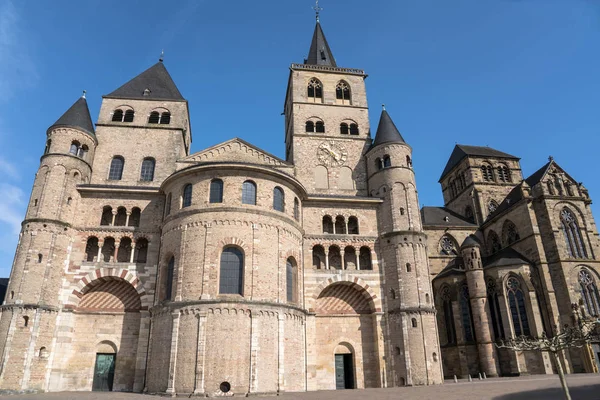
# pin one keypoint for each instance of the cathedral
(142, 267)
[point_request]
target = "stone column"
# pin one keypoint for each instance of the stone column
(173, 358)
(200, 355)
(114, 213)
(131, 257)
(116, 252)
(128, 213)
(326, 258)
(342, 255)
(99, 258)
(281, 359)
(142, 351)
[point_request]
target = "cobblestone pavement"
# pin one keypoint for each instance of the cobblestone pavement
(541, 387)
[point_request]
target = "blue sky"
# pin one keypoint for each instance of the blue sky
(517, 75)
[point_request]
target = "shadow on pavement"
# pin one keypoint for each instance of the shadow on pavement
(590, 392)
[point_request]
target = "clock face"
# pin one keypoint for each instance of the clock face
(331, 153)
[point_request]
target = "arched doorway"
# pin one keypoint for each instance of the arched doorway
(104, 368)
(344, 367)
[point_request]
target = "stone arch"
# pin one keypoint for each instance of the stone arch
(345, 346)
(581, 219)
(232, 241)
(101, 275)
(107, 346)
(347, 280)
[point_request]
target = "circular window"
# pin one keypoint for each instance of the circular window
(225, 387)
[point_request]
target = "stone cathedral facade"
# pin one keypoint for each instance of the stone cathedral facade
(141, 267)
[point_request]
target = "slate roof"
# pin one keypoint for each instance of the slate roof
(461, 151)
(434, 216)
(505, 257)
(320, 53)
(3, 288)
(387, 131)
(78, 116)
(511, 199)
(156, 79)
(537, 176)
(453, 268)
(470, 241)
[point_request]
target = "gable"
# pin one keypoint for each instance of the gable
(237, 151)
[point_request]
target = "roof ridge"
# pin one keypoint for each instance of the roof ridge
(153, 83)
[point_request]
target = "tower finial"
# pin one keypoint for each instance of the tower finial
(162, 55)
(383, 107)
(317, 9)
(83, 95)
(550, 158)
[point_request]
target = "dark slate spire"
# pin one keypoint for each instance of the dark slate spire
(387, 131)
(78, 116)
(320, 53)
(154, 83)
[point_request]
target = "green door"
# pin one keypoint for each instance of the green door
(104, 372)
(344, 371)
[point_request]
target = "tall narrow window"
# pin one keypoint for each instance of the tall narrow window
(107, 216)
(589, 293)
(165, 118)
(186, 200)
(518, 311)
(134, 218)
(169, 280)
(494, 305)
(379, 164)
(47, 148)
(487, 173)
(147, 171)
(232, 271)
(82, 151)
(340, 225)
(354, 129)
(249, 193)
(344, 130)
(342, 92)
(315, 90)
(503, 173)
(572, 233)
(115, 172)
(319, 127)
(448, 316)
(327, 224)
(353, 226)
(216, 191)
(168, 205)
(91, 249)
(296, 209)
(387, 162)
(494, 244)
(364, 259)
(154, 117)
(128, 116)
(509, 233)
(278, 199)
(290, 281)
(310, 126)
(117, 115)
(466, 314)
(74, 149)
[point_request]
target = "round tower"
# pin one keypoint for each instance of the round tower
(32, 300)
(471, 254)
(410, 310)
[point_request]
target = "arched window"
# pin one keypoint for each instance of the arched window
(379, 164)
(108, 249)
(147, 171)
(169, 280)
(364, 259)
(128, 116)
(448, 316)
(342, 92)
(344, 130)
(318, 256)
(353, 226)
(315, 90)
(408, 162)
(168, 205)
(572, 233)
(413, 322)
(115, 172)
(154, 117)
(589, 293)
(448, 246)
(340, 225)
(290, 279)
(310, 126)
(47, 148)
(186, 198)
(469, 214)
(334, 257)
(74, 149)
(82, 151)
(487, 173)
(91, 249)
(518, 311)
(509, 233)
(327, 224)
(349, 258)
(493, 242)
(466, 314)
(124, 250)
(142, 250)
(387, 162)
(117, 115)
(494, 305)
(296, 209)
(165, 118)
(492, 206)
(503, 173)
(319, 127)
(408, 267)
(107, 216)
(216, 191)
(354, 129)
(232, 271)
(278, 199)
(121, 216)
(134, 218)
(249, 193)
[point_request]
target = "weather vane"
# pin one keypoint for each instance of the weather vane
(162, 56)
(317, 9)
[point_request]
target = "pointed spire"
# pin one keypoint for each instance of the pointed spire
(386, 130)
(78, 117)
(153, 83)
(319, 53)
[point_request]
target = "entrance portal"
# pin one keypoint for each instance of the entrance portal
(104, 372)
(344, 371)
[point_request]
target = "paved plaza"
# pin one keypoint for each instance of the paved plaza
(583, 387)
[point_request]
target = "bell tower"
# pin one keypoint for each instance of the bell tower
(326, 122)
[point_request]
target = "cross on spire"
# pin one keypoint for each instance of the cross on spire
(162, 56)
(317, 9)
